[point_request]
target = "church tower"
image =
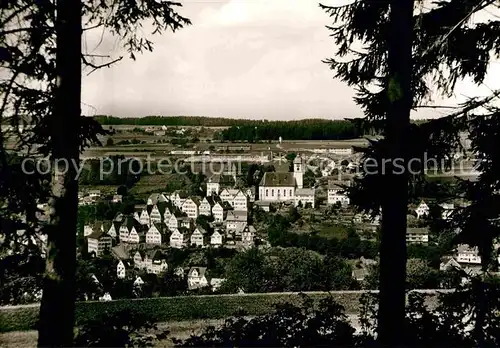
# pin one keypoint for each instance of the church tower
(298, 171)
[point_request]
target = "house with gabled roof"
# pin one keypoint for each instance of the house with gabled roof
(136, 236)
(155, 262)
(198, 237)
(173, 222)
(216, 239)
(124, 269)
(197, 278)
(248, 235)
(113, 230)
(337, 192)
(167, 213)
(177, 239)
(240, 201)
(191, 207)
(417, 235)
(422, 209)
(236, 220)
(128, 226)
(155, 234)
(213, 185)
(227, 195)
(144, 217)
(304, 196)
(219, 212)
(178, 197)
(156, 215)
(206, 205)
(139, 259)
(98, 242)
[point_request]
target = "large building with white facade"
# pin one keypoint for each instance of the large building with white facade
(280, 187)
(336, 192)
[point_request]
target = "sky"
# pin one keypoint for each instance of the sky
(252, 59)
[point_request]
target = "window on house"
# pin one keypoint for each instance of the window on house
(272, 192)
(290, 192)
(267, 192)
(284, 193)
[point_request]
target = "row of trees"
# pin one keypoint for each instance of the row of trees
(294, 130)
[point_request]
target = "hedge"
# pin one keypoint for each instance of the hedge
(180, 308)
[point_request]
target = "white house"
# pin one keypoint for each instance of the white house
(138, 281)
(198, 237)
(136, 236)
(248, 235)
(197, 278)
(139, 259)
(216, 239)
(213, 185)
(227, 195)
(155, 262)
(336, 192)
(178, 197)
(174, 222)
(131, 228)
(304, 196)
(236, 220)
(176, 239)
(123, 269)
(240, 201)
(206, 206)
(154, 235)
(167, 214)
(144, 217)
(467, 254)
(191, 207)
(417, 235)
(112, 231)
(422, 210)
(98, 242)
(218, 212)
(155, 214)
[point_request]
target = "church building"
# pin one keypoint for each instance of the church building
(279, 187)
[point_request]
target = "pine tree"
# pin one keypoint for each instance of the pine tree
(40, 52)
(446, 47)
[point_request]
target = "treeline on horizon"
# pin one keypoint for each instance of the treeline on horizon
(296, 130)
(250, 130)
(205, 121)
(254, 130)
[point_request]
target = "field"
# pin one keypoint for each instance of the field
(182, 308)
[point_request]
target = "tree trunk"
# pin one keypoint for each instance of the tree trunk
(57, 310)
(394, 206)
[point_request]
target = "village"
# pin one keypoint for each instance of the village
(223, 218)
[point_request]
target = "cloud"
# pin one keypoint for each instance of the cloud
(258, 59)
